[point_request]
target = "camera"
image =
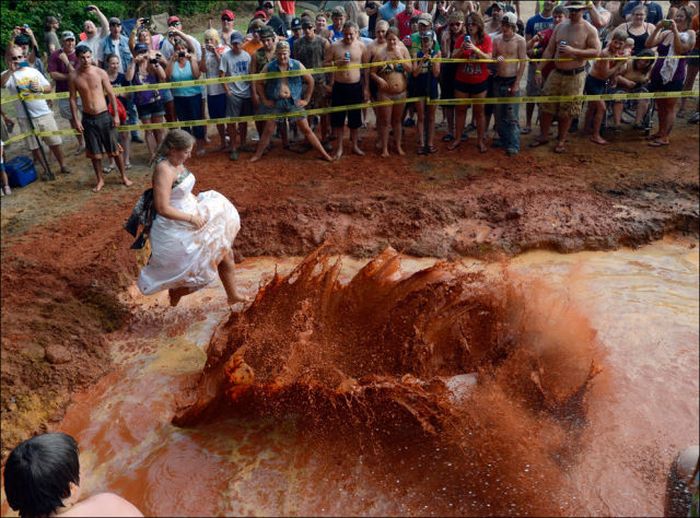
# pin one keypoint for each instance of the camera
(181, 54)
(153, 61)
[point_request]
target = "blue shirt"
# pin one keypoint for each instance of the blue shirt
(387, 12)
(537, 24)
(654, 12)
(184, 74)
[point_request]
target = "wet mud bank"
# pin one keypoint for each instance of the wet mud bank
(60, 288)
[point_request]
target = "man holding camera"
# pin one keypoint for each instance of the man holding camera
(95, 37)
(22, 78)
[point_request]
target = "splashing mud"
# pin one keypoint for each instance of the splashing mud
(447, 383)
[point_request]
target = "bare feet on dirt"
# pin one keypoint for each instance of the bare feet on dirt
(127, 182)
(99, 186)
(356, 150)
(599, 140)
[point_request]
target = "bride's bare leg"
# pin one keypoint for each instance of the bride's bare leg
(177, 293)
(227, 270)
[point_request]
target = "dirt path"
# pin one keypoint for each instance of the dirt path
(65, 256)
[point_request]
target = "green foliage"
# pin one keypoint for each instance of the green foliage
(71, 13)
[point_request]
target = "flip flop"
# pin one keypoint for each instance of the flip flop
(453, 145)
(432, 149)
(560, 149)
(538, 143)
(658, 143)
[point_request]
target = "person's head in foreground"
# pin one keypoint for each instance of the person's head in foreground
(42, 478)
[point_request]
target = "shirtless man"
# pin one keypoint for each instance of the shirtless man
(506, 46)
(346, 85)
(373, 51)
(602, 73)
(575, 39)
(98, 127)
(283, 96)
(42, 478)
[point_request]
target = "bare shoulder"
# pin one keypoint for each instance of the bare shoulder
(103, 504)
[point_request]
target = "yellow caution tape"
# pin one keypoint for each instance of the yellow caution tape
(374, 104)
(293, 73)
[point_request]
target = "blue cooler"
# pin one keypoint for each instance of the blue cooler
(20, 171)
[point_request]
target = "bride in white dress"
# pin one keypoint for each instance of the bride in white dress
(191, 236)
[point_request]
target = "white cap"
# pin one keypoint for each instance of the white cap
(510, 18)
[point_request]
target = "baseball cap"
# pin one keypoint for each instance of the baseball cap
(260, 14)
(498, 5)
(67, 35)
(296, 23)
(338, 11)
(173, 19)
(307, 23)
(456, 16)
(510, 18)
(228, 13)
(575, 4)
(267, 32)
(425, 19)
(236, 37)
(268, 5)
(140, 47)
(282, 45)
(115, 21)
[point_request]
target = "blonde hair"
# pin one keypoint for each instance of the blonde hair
(212, 34)
(175, 139)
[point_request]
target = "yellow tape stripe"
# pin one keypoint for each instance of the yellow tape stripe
(293, 73)
(375, 104)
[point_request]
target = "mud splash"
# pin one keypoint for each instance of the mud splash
(449, 384)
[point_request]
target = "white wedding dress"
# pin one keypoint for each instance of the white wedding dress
(181, 255)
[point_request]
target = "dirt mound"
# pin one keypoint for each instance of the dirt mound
(477, 386)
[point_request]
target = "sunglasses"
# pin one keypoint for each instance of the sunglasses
(16, 58)
(115, 24)
(174, 24)
(224, 19)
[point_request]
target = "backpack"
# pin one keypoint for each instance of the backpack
(120, 110)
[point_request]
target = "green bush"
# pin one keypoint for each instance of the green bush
(71, 13)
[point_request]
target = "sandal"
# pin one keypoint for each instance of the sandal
(432, 149)
(658, 143)
(448, 138)
(560, 148)
(453, 145)
(538, 143)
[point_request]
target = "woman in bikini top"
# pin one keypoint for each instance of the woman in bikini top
(391, 77)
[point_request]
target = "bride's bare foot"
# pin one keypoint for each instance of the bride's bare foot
(99, 186)
(236, 298)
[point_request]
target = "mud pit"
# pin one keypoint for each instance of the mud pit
(66, 264)
(446, 382)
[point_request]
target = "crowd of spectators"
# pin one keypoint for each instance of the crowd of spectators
(578, 35)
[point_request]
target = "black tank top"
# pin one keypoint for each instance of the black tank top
(639, 40)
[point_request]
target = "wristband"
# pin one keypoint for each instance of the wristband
(538, 72)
